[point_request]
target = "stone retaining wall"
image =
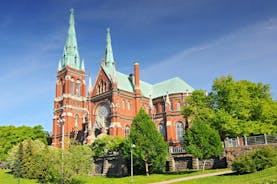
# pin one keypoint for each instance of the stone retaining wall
(111, 165)
(234, 152)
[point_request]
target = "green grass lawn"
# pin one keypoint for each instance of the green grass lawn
(142, 179)
(6, 178)
(267, 176)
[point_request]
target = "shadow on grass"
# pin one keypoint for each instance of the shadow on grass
(231, 174)
(180, 172)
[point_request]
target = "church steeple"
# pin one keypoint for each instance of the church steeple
(71, 56)
(109, 60)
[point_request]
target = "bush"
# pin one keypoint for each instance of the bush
(244, 165)
(107, 145)
(256, 161)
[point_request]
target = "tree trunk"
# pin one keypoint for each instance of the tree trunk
(204, 166)
(146, 169)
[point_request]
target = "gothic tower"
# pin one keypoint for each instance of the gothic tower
(70, 104)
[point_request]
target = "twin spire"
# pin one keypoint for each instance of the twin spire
(109, 60)
(71, 56)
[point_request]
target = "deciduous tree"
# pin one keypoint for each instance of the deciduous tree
(202, 141)
(149, 145)
(235, 108)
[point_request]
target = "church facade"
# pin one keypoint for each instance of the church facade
(107, 106)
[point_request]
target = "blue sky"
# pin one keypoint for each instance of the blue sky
(197, 40)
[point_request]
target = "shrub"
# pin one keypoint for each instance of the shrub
(256, 161)
(244, 165)
(106, 144)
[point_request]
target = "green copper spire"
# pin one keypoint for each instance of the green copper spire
(71, 56)
(109, 60)
(83, 65)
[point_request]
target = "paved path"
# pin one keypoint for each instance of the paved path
(194, 177)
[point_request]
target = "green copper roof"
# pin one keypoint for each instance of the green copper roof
(71, 56)
(171, 86)
(109, 60)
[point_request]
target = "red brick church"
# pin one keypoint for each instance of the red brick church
(107, 106)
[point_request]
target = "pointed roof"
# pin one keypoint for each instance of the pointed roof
(108, 63)
(71, 56)
(109, 60)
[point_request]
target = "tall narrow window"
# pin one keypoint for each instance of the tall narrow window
(123, 104)
(104, 87)
(161, 129)
(78, 88)
(72, 87)
(63, 84)
(128, 105)
(127, 131)
(76, 120)
(179, 131)
(178, 106)
(163, 107)
(98, 90)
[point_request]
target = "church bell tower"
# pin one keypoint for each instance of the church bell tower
(70, 104)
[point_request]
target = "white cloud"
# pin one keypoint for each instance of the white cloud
(248, 53)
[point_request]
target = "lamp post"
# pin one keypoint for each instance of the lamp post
(61, 121)
(132, 171)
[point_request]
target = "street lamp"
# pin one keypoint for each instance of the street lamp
(132, 171)
(61, 121)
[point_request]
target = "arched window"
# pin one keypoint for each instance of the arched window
(76, 121)
(179, 131)
(127, 131)
(157, 108)
(78, 88)
(161, 129)
(178, 106)
(123, 104)
(104, 87)
(63, 86)
(72, 87)
(128, 105)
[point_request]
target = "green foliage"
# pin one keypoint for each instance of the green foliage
(107, 144)
(202, 141)
(11, 135)
(149, 148)
(235, 108)
(35, 160)
(79, 164)
(256, 161)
